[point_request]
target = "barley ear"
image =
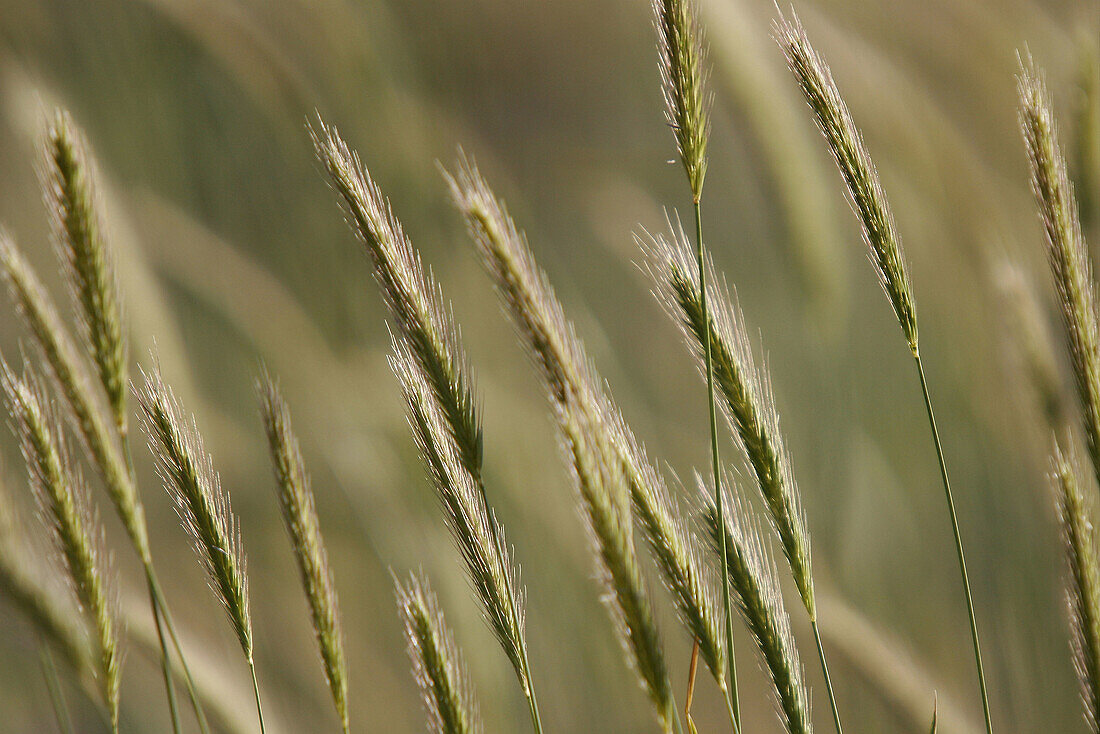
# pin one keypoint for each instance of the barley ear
(864, 189)
(22, 580)
(300, 517)
(598, 477)
(754, 579)
(413, 299)
(747, 398)
(1082, 582)
(683, 78)
(437, 667)
(203, 506)
(68, 179)
(1066, 250)
(68, 369)
(62, 502)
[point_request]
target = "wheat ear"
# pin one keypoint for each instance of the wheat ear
(567, 375)
(68, 179)
(68, 369)
(863, 187)
(747, 398)
(478, 535)
(681, 57)
(1066, 250)
(437, 667)
(601, 487)
(107, 448)
(62, 500)
(429, 355)
(747, 401)
(1082, 582)
(203, 506)
(877, 222)
(756, 583)
(682, 61)
(22, 581)
(413, 299)
(300, 517)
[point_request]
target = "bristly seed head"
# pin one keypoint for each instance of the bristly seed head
(682, 60)
(203, 506)
(862, 183)
(413, 297)
(437, 666)
(300, 517)
(1067, 252)
(747, 399)
(68, 180)
(753, 577)
(62, 502)
(1082, 581)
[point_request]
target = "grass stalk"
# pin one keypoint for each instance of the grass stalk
(681, 60)
(958, 545)
(868, 199)
(165, 665)
(166, 617)
(716, 470)
(256, 693)
(825, 672)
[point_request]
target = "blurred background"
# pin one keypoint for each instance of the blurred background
(232, 251)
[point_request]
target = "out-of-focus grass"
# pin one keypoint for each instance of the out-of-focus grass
(231, 250)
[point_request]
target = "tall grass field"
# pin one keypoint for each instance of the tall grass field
(474, 367)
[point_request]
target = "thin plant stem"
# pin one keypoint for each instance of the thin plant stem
(165, 664)
(958, 544)
(256, 691)
(691, 687)
(532, 702)
(717, 471)
(53, 685)
(828, 678)
(189, 681)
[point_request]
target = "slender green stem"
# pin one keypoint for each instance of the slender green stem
(165, 664)
(958, 544)
(154, 585)
(828, 678)
(734, 722)
(674, 715)
(532, 702)
(256, 691)
(717, 470)
(53, 685)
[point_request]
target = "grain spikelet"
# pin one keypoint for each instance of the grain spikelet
(68, 179)
(202, 504)
(862, 183)
(756, 583)
(437, 666)
(1066, 250)
(747, 398)
(300, 517)
(1082, 582)
(62, 500)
